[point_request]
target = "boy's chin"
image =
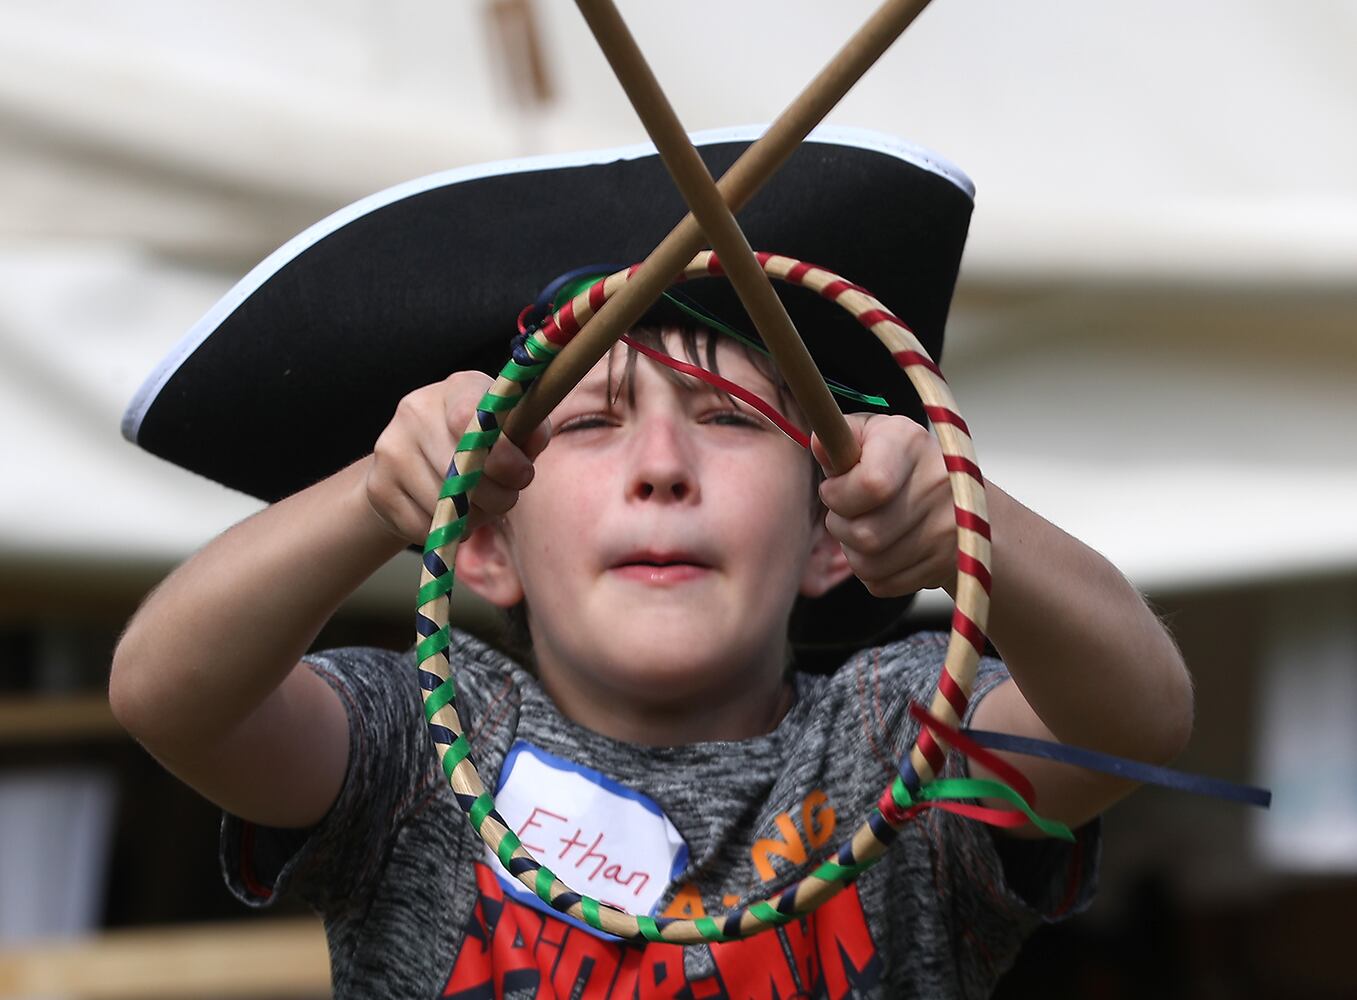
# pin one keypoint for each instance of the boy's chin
(681, 667)
(677, 651)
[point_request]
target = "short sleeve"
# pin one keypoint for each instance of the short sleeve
(1048, 877)
(1052, 878)
(1002, 888)
(989, 897)
(390, 769)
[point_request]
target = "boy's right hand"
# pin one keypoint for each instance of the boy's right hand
(410, 460)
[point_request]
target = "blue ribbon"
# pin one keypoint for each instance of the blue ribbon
(1120, 767)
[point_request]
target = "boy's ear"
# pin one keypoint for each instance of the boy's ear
(484, 564)
(827, 566)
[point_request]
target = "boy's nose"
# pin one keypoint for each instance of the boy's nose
(662, 466)
(662, 489)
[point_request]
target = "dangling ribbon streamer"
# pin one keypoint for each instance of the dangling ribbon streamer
(905, 799)
(1120, 767)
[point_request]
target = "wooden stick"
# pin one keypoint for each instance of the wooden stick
(694, 182)
(740, 183)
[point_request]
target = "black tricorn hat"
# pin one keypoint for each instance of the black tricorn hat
(297, 370)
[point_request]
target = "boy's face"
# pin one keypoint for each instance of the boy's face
(664, 538)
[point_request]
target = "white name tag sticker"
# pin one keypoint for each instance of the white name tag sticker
(600, 837)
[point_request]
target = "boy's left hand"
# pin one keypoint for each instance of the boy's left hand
(892, 512)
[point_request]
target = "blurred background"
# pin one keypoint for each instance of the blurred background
(1154, 341)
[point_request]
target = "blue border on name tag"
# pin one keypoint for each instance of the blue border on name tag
(516, 889)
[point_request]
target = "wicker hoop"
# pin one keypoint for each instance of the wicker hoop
(869, 842)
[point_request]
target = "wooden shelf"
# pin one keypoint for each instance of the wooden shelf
(281, 959)
(30, 719)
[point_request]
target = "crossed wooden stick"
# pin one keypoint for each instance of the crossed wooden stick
(712, 207)
(711, 217)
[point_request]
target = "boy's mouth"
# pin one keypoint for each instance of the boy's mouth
(660, 568)
(661, 559)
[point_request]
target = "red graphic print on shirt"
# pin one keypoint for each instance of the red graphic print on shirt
(511, 947)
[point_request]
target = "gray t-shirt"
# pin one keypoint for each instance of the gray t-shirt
(414, 908)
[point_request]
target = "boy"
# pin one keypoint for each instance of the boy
(667, 533)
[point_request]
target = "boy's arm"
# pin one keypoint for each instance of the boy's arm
(1091, 664)
(207, 674)
(207, 677)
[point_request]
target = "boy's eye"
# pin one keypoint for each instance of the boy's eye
(733, 418)
(584, 422)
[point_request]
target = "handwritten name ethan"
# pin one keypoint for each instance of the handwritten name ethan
(588, 856)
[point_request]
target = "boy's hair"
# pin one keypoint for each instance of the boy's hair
(696, 345)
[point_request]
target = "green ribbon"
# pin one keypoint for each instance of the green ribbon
(770, 914)
(832, 871)
(441, 536)
(476, 440)
(497, 404)
(434, 589)
(522, 373)
(444, 694)
(589, 907)
(952, 789)
(434, 644)
(463, 482)
(456, 753)
(650, 930)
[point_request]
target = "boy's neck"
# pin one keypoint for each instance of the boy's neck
(734, 713)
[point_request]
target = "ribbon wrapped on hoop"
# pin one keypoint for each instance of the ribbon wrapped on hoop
(531, 355)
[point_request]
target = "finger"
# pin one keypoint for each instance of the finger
(925, 551)
(508, 466)
(881, 531)
(425, 475)
(491, 498)
(402, 487)
(461, 394)
(486, 498)
(876, 481)
(874, 484)
(409, 517)
(817, 450)
(537, 440)
(420, 470)
(857, 423)
(883, 579)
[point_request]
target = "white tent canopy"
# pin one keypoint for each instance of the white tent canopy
(1153, 332)
(1102, 136)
